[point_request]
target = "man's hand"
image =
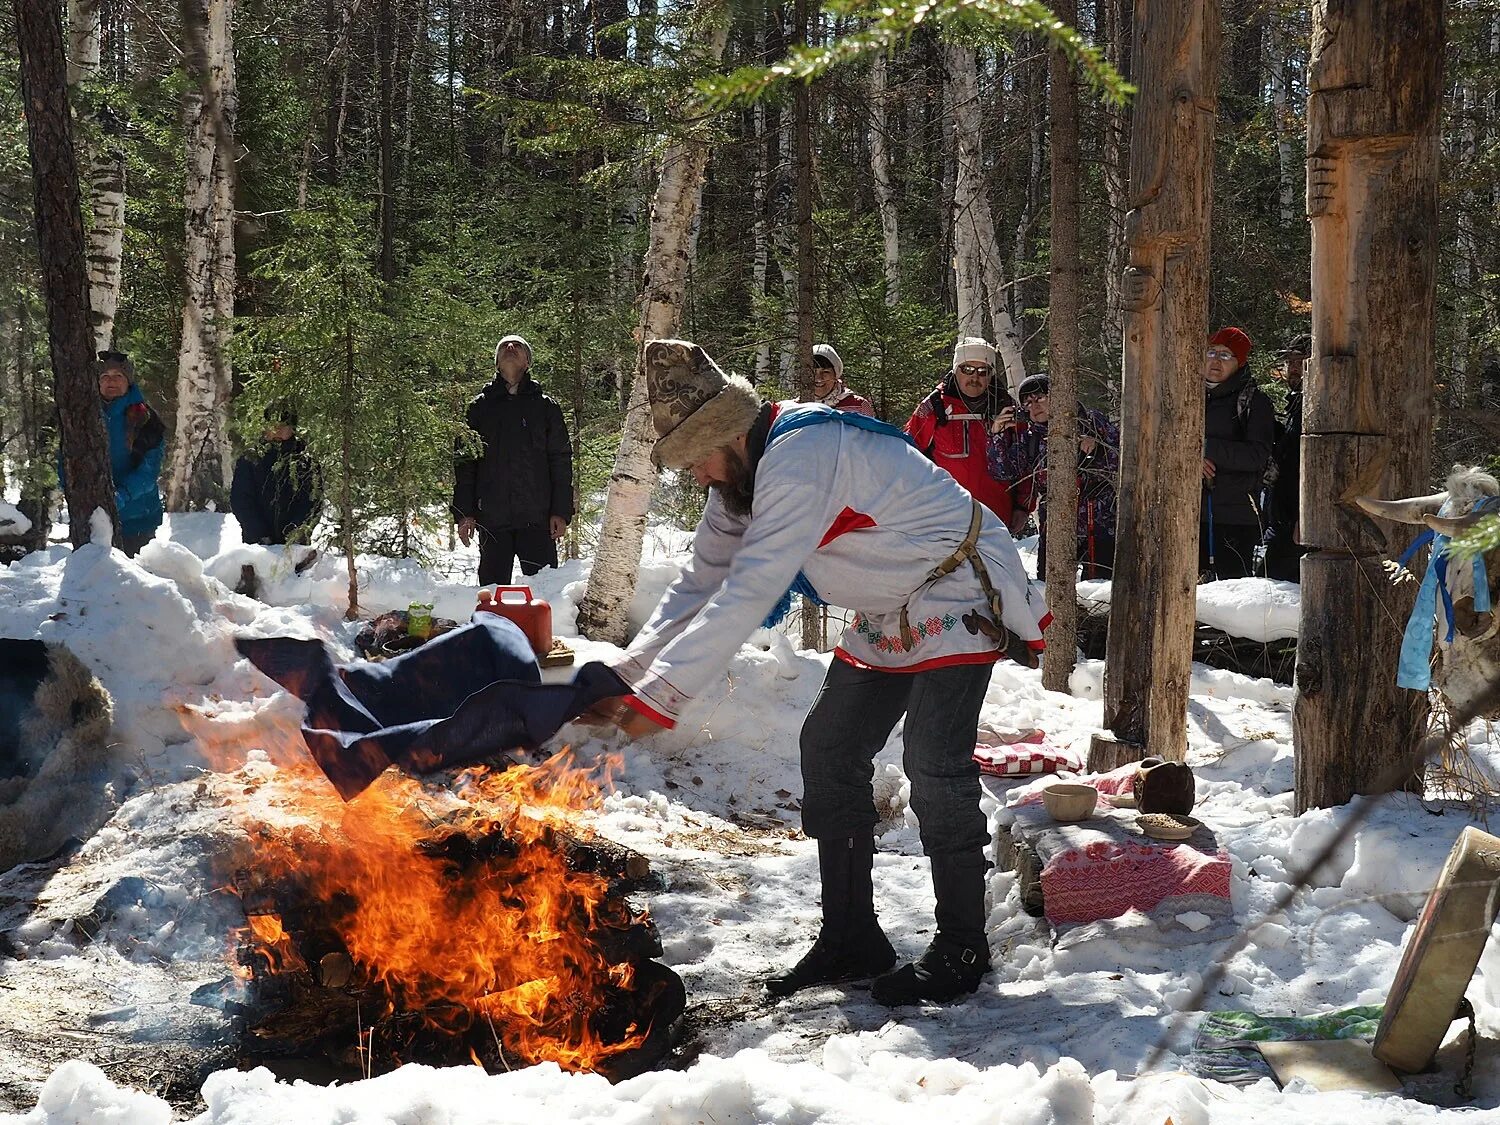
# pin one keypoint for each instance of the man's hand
(559, 527)
(1209, 470)
(618, 713)
(1087, 445)
(466, 528)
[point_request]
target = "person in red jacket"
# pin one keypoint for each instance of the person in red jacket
(828, 385)
(951, 425)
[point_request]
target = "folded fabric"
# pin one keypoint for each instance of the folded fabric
(462, 697)
(1023, 760)
(1224, 1046)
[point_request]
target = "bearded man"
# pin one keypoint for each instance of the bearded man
(843, 508)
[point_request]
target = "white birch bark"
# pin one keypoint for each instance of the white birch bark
(1289, 191)
(974, 224)
(102, 162)
(760, 236)
(880, 171)
(201, 456)
(602, 615)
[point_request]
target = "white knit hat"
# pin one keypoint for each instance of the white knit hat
(827, 352)
(973, 349)
(513, 339)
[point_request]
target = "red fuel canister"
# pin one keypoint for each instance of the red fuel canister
(532, 615)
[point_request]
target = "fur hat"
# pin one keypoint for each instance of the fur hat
(118, 361)
(695, 407)
(1298, 345)
(973, 349)
(513, 339)
(1236, 340)
(825, 351)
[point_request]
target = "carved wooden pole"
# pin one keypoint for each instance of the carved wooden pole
(1165, 300)
(1372, 141)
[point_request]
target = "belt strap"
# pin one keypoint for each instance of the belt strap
(967, 551)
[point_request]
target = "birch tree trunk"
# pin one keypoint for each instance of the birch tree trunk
(760, 236)
(603, 613)
(1375, 87)
(973, 223)
(1165, 292)
(59, 236)
(103, 163)
(1062, 391)
(880, 171)
(1283, 119)
(201, 462)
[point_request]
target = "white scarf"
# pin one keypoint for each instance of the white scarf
(835, 396)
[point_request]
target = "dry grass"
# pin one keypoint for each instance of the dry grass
(1456, 774)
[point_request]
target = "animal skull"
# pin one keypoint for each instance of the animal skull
(1470, 663)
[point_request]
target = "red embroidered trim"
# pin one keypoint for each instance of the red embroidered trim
(635, 704)
(957, 658)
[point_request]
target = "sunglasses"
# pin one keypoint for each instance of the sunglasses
(974, 369)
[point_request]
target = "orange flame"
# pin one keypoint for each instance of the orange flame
(508, 941)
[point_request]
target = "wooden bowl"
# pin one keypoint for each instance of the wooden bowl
(1068, 802)
(1168, 826)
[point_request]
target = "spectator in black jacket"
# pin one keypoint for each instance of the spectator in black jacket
(1283, 550)
(277, 490)
(518, 493)
(1239, 431)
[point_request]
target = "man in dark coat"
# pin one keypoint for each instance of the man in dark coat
(1239, 431)
(518, 493)
(1283, 552)
(277, 488)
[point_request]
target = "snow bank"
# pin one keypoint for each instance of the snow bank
(12, 522)
(1257, 609)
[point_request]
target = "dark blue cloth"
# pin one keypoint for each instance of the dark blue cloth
(462, 697)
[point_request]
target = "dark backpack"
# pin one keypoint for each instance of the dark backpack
(1242, 429)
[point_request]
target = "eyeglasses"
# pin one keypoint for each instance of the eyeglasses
(1218, 353)
(1032, 396)
(974, 369)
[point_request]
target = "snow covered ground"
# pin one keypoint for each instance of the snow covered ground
(1057, 1034)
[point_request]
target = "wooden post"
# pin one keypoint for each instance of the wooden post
(1164, 296)
(1372, 141)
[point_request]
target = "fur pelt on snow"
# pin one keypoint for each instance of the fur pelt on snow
(57, 777)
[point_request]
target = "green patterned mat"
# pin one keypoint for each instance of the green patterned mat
(1224, 1046)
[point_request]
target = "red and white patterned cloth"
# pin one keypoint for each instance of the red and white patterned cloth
(1104, 879)
(1023, 760)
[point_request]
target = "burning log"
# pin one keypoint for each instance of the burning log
(483, 927)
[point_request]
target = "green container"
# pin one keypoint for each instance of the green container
(419, 620)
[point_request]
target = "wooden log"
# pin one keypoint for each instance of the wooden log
(1345, 664)
(1375, 84)
(1165, 298)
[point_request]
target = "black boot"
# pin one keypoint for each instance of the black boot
(851, 943)
(959, 955)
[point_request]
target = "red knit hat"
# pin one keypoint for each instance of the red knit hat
(1236, 340)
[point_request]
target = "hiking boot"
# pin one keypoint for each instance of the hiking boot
(851, 945)
(834, 959)
(945, 972)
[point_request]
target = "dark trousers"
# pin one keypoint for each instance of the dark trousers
(132, 544)
(854, 714)
(499, 547)
(1284, 558)
(1233, 548)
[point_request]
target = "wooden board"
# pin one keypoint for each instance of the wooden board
(1442, 954)
(1331, 1064)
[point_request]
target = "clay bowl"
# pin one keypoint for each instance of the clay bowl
(1068, 802)
(1168, 826)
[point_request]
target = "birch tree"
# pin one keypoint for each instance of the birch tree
(880, 172)
(973, 223)
(669, 254)
(103, 167)
(201, 456)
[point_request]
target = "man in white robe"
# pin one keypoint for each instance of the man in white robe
(808, 500)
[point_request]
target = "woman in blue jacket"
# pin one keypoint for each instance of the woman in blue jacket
(136, 440)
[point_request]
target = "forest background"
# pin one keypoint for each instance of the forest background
(345, 203)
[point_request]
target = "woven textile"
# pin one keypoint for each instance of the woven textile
(1023, 760)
